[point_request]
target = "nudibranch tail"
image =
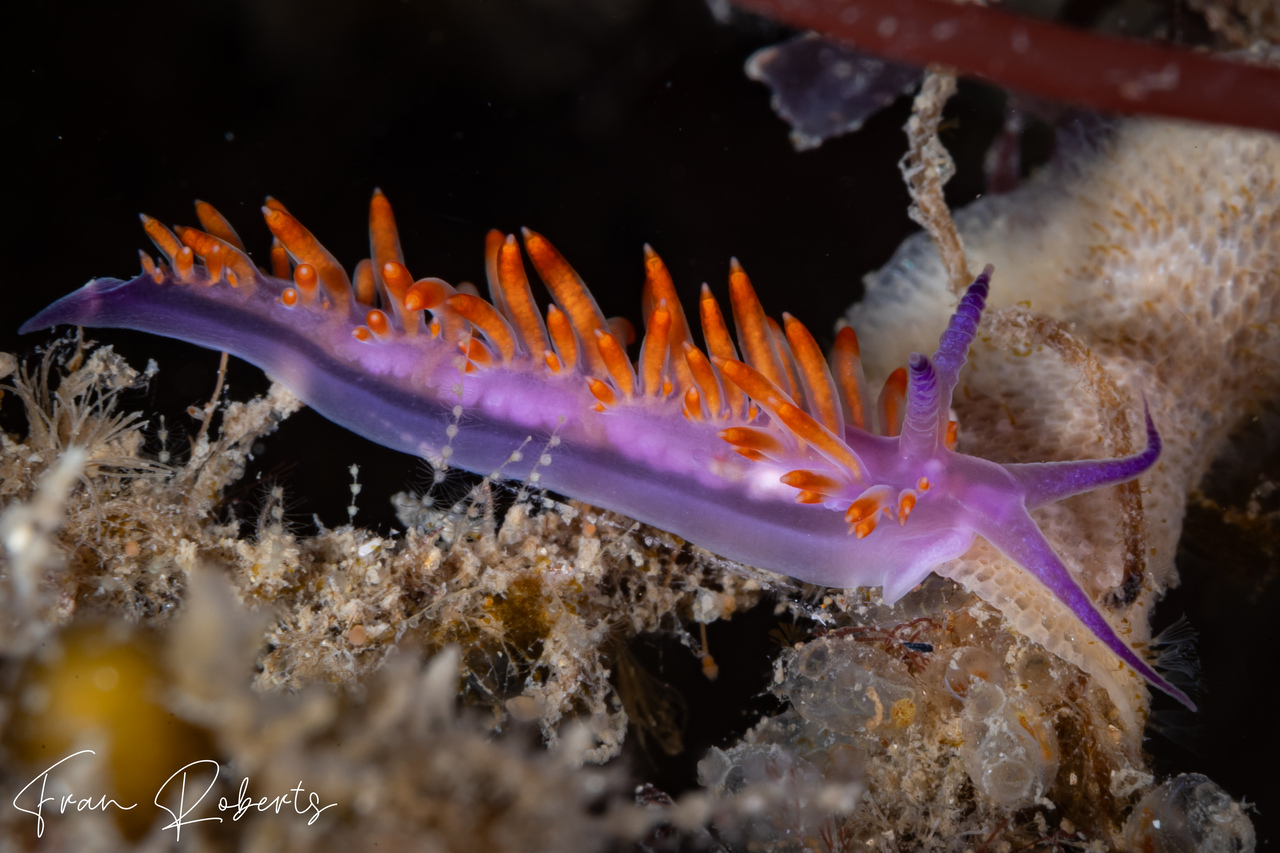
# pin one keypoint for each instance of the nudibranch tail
(763, 451)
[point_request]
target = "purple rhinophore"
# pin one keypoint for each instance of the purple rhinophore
(925, 416)
(953, 346)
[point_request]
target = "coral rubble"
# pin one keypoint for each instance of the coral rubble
(1145, 267)
(530, 611)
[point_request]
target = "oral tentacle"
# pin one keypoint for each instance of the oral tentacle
(1046, 482)
(1018, 538)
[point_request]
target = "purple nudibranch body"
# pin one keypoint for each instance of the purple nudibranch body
(772, 458)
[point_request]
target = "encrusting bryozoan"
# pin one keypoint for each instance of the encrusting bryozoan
(1148, 267)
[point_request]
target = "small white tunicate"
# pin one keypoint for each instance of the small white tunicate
(850, 687)
(970, 664)
(781, 790)
(1010, 747)
(1189, 814)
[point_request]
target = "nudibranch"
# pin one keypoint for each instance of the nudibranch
(762, 451)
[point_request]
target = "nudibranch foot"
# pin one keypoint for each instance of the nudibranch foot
(754, 446)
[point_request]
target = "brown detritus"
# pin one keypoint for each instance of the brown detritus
(1251, 530)
(1083, 790)
(539, 602)
(523, 612)
(986, 844)
(71, 401)
(654, 708)
(1241, 24)
(838, 837)
(212, 406)
(404, 767)
(1021, 329)
(8, 364)
(926, 168)
(904, 640)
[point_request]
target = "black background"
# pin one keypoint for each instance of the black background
(603, 124)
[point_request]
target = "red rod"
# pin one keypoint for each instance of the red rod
(1103, 72)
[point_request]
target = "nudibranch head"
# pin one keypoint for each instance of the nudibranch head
(760, 448)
